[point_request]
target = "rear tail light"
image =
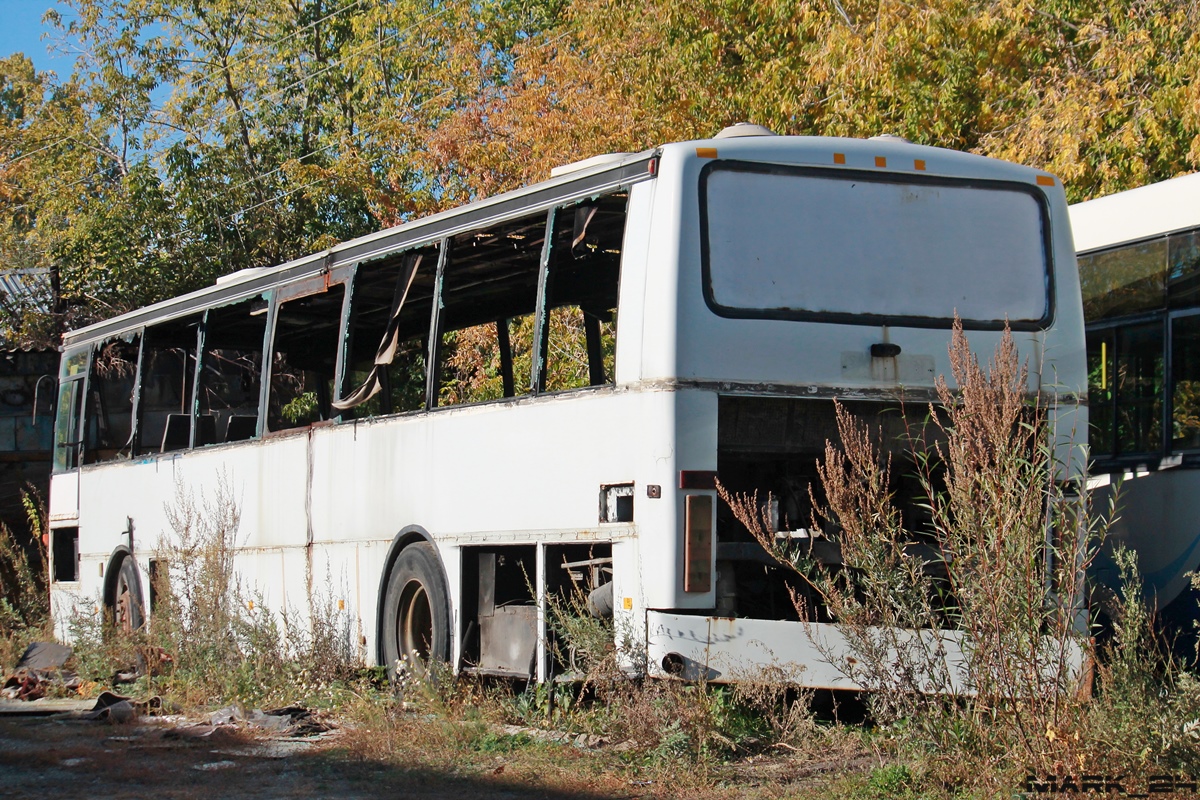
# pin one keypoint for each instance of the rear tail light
(698, 543)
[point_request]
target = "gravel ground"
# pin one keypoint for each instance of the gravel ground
(68, 757)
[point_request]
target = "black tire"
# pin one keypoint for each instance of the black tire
(125, 602)
(416, 609)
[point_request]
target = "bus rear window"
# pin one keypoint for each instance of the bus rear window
(801, 243)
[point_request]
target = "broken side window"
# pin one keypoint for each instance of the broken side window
(388, 335)
(231, 372)
(304, 359)
(585, 270)
(109, 428)
(168, 373)
(485, 325)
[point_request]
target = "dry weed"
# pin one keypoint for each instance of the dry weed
(1011, 540)
(211, 641)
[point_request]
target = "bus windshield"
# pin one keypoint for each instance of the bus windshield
(799, 243)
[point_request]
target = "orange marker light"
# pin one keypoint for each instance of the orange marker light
(839, 158)
(880, 161)
(706, 152)
(919, 164)
(1045, 180)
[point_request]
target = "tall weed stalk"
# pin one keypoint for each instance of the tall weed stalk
(211, 640)
(970, 633)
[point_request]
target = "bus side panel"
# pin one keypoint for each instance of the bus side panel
(113, 499)
(659, 314)
(500, 473)
(264, 482)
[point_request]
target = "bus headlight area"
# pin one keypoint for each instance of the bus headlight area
(463, 425)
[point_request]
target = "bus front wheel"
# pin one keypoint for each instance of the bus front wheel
(416, 610)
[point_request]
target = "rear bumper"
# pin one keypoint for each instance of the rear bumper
(814, 655)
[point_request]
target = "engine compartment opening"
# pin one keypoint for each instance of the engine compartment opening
(772, 446)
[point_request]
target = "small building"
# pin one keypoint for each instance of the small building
(27, 387)
(27, 395)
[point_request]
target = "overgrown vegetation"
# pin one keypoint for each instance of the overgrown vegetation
(671, 737)
(983, 602)
(1022, 692)
(662, 722)
(24, 601)
(210, 639)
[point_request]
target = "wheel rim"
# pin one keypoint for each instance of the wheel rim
(415, 622)
(124, 604)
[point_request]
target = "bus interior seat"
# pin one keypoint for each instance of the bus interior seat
(241, 427)
(176, 433)
(206, 430)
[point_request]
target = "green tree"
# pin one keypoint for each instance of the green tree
(1100, 93)
(196, 138)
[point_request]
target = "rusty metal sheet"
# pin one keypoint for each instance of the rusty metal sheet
(508, 639)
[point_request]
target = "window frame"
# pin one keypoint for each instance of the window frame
(298, 290)
(873, 320)
(1166, 454)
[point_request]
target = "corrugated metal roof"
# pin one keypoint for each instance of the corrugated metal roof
(26, 285)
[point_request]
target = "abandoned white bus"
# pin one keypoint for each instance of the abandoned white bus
(1139, 266)
(449, 420)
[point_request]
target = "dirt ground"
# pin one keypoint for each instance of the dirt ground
(68, 756)
(63, 757)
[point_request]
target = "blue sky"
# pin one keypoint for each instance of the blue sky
(21, 30)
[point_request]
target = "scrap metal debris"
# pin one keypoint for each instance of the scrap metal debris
(45, 656)
(39, 671)
(291, 721)
(117, 709)
(150, 661)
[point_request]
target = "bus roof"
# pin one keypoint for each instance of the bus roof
(249, 282)
(586, 180)
(1141, 213)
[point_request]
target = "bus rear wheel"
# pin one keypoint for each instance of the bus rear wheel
(416, 610)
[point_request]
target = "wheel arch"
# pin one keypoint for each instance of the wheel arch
(410, 535)
(112, 572)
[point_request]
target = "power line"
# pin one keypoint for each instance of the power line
(241, 111)
(239, 212)
(210, 76)
(150, 153)
(206, 77)
(259, 177)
